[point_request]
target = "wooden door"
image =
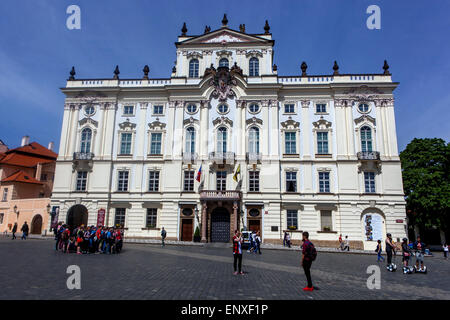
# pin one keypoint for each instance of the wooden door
(186, 229)
(254, 225)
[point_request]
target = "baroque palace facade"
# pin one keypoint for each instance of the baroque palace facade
(314, 153)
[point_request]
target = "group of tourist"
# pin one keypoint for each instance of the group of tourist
(255, 242)
(88, 239)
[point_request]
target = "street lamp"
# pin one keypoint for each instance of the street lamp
(196, 214)
(48, 208)
(16, 211)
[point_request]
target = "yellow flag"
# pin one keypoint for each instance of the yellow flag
(238, 171)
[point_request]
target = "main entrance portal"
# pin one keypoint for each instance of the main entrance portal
(220, 225)
(77, 215)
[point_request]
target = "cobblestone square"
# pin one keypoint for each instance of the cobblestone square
(31, 269)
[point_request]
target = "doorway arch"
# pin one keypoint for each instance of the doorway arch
(220, 225)
(373, 227)
(76, 216)
(36, 224)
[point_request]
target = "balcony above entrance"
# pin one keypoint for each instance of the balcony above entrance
(218, 195)
(368, 155)
(222, 157)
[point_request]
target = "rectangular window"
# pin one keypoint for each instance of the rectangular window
(321, 108)
(122, 182)
(128, 110)
(253, 181)
(369, 182)
(322, 142)
(152, 215)
(153, 180)
(5, 194)
(290, 143)
(1, 218)
(326, 222)
(289, 108)
(158, 110)
(291, 181)
(221, 180)
(81, 180)
(43, 177)
(119, 218)
(324, 182)
(125, 143)
(155, 145)
(189, 180)
(292, 218)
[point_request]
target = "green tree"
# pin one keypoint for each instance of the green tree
(425, 170)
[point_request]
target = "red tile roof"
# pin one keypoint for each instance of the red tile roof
(34, 148)
(21, 160)
(21, 176)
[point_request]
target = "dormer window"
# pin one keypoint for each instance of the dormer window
(193, 68)
(224, 62)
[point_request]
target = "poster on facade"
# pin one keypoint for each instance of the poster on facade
(373, 226)
(55, 216)
(101, 217)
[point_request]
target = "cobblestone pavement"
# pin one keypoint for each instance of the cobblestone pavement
(31, 269)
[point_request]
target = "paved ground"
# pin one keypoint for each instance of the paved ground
(31, 269)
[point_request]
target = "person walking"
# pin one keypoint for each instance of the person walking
(258, 243)
(346, 244)
(419, 247)
(14, 230)
(341, 244)
(379, 251)
(163, 237)
(288, 240)
(445, 248)
(309, 254)
(237, 252)
(24, 230)
(284, 239)
(389, 248)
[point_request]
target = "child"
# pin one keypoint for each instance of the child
(379, 250)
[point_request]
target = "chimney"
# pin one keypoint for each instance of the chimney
(51, 145)
(25, 140)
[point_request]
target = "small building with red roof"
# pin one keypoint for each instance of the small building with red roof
(26, 182)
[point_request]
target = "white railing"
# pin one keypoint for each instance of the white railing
(220, 195)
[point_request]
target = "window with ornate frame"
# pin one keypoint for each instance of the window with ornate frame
(193, 68)
(86, 140)
(126, 138)
(253, 67)
(322, 130)
(156, 136)
(190, 140)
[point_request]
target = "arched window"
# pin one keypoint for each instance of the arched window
(86, 136)
(222, 139)
(366, 139)
(223, 62)
(253, 140)
(190, 140)
(254, 67)
(193, 68)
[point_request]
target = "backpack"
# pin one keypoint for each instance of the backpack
(312, 254)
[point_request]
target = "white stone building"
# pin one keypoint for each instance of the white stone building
(316, 153)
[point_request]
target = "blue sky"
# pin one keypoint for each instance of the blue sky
(37, 51)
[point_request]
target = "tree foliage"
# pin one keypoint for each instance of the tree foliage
(425, 170)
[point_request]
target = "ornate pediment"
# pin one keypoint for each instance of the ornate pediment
(222, 53)
(89, 96)
(90, 121)
(156, 125)
(223, 120)
(193, 54)
(363, 93)
(127, 125)
(322, 124)
(253, 53)
(223, 36)
(190, 120)
(290, 124)
(254, 120)
(365, 118)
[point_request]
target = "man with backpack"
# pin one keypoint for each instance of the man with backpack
(163, 236)
(309, 254)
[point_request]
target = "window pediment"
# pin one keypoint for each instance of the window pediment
(127, 125)
(365, 118)
(253, 53)
(322, 124)
(84, 121)
(254, 120)
(224, 53)
(223, 120)
(193, 54)
(190, 120)
(290, 124)
(156, 125)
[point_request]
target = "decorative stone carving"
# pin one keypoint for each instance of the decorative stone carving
(88, 120)
(241, 103)
(224, 53)
(365, 118)
(190, 120)
(193, 54)
(254, 120)
(305, 103)
(127, 125)
(223, 120)
(156, 125)
(322, 123)
(222, 81)
(253, 53)
(290, 124)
